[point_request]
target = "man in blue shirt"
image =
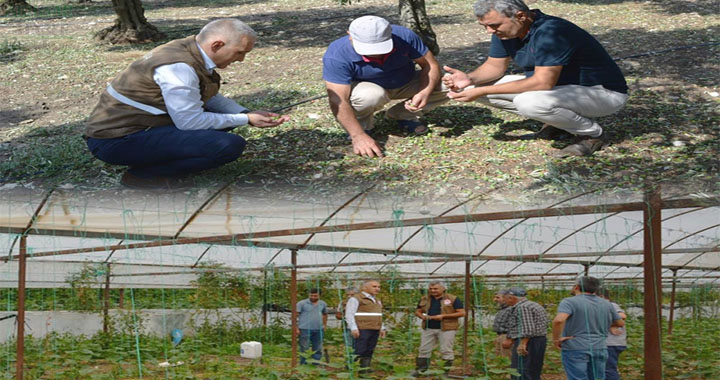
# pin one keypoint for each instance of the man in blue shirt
(312, 320)
(374, 64)
(580, 330)
(569, 77)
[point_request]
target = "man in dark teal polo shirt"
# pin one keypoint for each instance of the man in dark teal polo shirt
(569, 77)
(373, 65)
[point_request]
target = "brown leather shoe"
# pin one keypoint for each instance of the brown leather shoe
(548, 132)
(157, 183)
(584, 146)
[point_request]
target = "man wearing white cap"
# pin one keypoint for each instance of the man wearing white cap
(370, 67)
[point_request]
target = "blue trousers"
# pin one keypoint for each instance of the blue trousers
(308, 338)
(366, 342)
(168, 151)
(611, 367)
(529, 366)
(584, 364)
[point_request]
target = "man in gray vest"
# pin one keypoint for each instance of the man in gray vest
(363, 314)
(440, 313)
(163, 116)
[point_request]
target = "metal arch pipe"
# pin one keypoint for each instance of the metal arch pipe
(524, 220)
(399, 247)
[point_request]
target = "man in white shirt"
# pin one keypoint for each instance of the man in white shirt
(164, 117)
(363, 315)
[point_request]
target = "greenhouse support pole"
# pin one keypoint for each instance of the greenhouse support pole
(106, 300)
(293, 307)
(265, 300)
(652, 281)
(22, 266)
(672, 302)
(467, 325)
(121, 299)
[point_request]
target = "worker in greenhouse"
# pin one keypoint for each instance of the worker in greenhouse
(312, 321)
(440, 313)
(569, 79)
(363, 315)
(164, 117)
(340, 312)
(580, 330)
(527, 330)
(616, 341)
(500, 324)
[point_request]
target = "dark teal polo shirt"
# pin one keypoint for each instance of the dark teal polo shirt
(552, 41)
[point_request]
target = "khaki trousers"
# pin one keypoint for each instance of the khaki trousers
(567, 107)
(430, 338)
(499, 350)
(366, 98)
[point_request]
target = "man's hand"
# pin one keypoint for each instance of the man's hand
(417, 102)
(265, 119)
(297, 332)
(366, 146)
(355, 333)
(383, 333)
(467, 95)
(522, 349)
(558, 342)
(507, 343)
(455, 79)
(615, 330)
(438, 317)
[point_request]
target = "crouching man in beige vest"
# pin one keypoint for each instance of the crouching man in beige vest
(363, 314)
(440, 313)
(163, 116)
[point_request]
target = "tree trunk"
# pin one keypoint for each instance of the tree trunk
(131, 26)
(414, 17)
(15, 7)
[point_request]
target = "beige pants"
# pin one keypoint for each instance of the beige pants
(430, 338)
(367, 98)
(567, 107)
(499, 350)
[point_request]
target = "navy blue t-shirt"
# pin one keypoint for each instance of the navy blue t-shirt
(342, 65)
(552, 41)
(435, 309)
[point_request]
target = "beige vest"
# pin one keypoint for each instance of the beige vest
(112, 118)
(446, 307)
(372, 321)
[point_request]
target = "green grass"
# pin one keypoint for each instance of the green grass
(668, 133)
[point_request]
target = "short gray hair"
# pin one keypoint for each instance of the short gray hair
(437, 282)
(231, 28)
(506, 7)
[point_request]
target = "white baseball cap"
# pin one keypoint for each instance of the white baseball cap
(371, 35)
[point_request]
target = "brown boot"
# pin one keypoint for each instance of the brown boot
(584, 146)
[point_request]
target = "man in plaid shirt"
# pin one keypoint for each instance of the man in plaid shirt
(527, 329)
(500, 324)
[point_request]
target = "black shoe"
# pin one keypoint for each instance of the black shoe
(421, 365)
(132, 181)
(584, 146)
(448, 365)
(365, 365)
(548, 132)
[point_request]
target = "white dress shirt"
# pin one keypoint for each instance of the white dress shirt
(351, 309)
(180, 88)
